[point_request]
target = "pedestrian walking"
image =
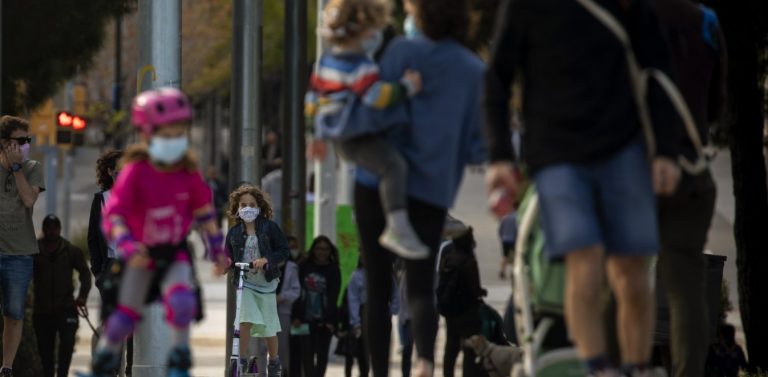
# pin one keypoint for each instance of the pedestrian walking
(148, 216)
(346, 77)
(21, 181)
(320, 278)
(698, 54)
(404, 331)
(583, 146)
(508, 237)
(103, 254)
(459, 294)
(219, 190)
(257, 240)
(294, 370)
(55, 307)
(356, 297)
(438, 133)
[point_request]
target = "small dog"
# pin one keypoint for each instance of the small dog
(497, 360)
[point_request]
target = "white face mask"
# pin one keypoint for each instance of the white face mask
(168, 150)
(294, 253)
(249, 214)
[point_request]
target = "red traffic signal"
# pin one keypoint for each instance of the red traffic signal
(64, 119)
(78, 123)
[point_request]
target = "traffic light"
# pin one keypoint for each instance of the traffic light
(71, 128)
(64, 119)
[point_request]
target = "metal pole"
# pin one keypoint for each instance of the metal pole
(68, 177)
(160, 47)
(117, 86)
(325, 172)
(246, 112)
(294, 178)
(51, 169)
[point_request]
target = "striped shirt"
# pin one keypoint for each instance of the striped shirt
(340, 81)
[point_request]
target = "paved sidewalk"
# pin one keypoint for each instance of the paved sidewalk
(208, 337)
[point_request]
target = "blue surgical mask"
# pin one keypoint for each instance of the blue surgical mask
(410, 28)
(168, 150)
(372, 43)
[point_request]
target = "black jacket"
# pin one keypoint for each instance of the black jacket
(578, 105)
(320, 285)
(54, 286)
(272, 244)
(97, 243)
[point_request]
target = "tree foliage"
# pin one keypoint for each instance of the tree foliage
(46, 42)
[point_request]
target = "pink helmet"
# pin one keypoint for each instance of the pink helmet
(156, 108)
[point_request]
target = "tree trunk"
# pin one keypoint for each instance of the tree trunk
(743, 37)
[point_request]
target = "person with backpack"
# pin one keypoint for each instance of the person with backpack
(257, 240)
(103, 255)
(459, 295)
(697, 48)
(584, 148)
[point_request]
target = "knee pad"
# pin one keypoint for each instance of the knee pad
(121, 324)
(180, 306)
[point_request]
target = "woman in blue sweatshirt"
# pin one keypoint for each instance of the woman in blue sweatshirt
(438, 133)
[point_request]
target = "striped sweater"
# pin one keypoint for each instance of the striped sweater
(340, 81)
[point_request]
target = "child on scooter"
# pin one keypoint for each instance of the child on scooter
(257, 240)
(148, 216)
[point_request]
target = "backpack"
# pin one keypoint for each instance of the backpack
(454, 293)
(492, 325)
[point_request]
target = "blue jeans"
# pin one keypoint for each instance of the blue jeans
(609, 203)
(15, 275)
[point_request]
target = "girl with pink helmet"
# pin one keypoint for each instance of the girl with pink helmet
(155, 201)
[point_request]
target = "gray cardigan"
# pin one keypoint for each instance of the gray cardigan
(290, 290)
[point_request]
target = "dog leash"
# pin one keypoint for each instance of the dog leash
(82, 311)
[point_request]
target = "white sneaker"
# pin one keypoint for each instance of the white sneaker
(405, 244)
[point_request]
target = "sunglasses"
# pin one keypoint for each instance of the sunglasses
(20, 140)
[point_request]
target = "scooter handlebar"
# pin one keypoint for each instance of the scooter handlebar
(242, 265)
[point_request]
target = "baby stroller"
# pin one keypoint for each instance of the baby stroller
(538, 297)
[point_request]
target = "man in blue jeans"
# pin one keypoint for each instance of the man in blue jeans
(21, 181)
(584, 151)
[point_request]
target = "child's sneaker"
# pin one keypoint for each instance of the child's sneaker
(179, 362)
(6, 372)
(404, 242)
(104, 364)
(274, 368)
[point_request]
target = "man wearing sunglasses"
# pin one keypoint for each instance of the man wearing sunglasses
(21, 180)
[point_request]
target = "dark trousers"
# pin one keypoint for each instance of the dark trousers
(47, 328)
(314, 350)
(684, 221)
(128, 341)
(406, 341)
(295, 349)
(457, 330)
(356, 349)
(427, 221)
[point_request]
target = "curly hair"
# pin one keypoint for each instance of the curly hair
(334, 257)
(440, 19)
(262, 200)
(344, 21)
(139, 152)
(105, 163)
